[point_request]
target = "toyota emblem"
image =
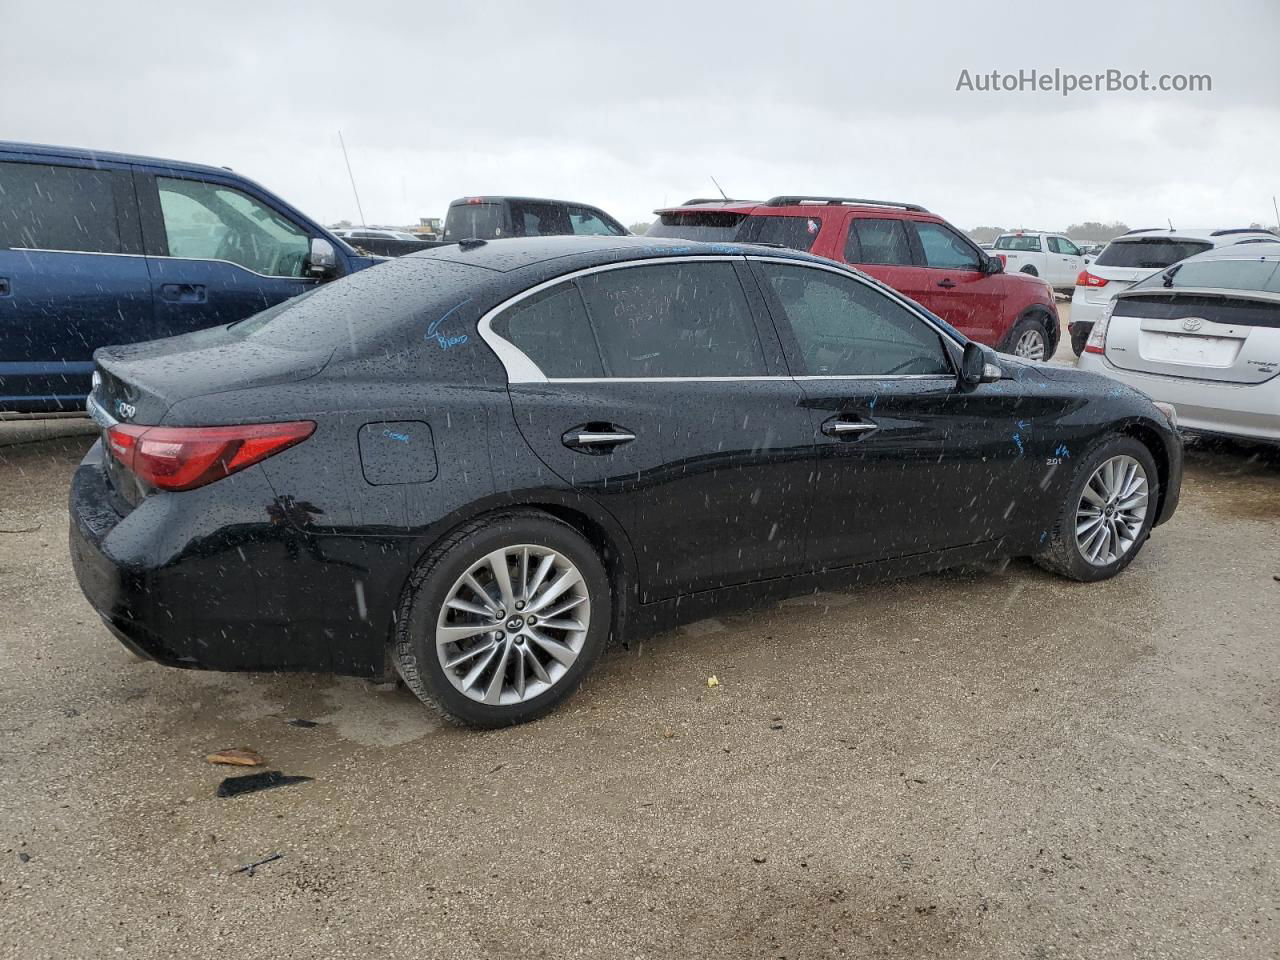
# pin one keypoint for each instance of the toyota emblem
(1192, 324)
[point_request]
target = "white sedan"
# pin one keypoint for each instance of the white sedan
(1203, 335)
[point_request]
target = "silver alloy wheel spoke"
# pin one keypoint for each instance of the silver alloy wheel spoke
(1030, 345)
(505, 633)
(1112, 510)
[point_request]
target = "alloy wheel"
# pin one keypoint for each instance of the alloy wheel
(1031, 345)
(513, 624)
(1112, 508)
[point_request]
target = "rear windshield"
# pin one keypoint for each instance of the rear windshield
(482, 221)
(798, 233)
(701, 225)
(1247, 273)
(1011, 242)
(1149, 253)
(386, 308)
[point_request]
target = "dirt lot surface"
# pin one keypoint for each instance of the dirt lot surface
(961, 766)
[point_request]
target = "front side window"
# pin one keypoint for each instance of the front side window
(846, 328)
(552, 330)
(945, 248)
(57, 208)
(587, 223)
(873, 240)
(209, 221)
(673, 320)
(798, 233)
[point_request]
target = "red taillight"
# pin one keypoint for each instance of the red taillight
(1087, 279)
(183, 458)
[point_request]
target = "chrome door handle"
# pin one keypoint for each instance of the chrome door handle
(848, 428)
(597, 439)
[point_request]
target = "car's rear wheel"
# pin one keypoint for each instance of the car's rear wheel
(1030, 339)
(1108, 513)
(503, 618)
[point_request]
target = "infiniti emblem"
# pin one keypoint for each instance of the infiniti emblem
(126, 410)
(1192, 324)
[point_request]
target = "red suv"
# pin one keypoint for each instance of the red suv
(904, 245)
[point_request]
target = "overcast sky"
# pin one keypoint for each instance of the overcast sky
(633, 106)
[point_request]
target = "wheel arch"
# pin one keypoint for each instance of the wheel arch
(1150, 438)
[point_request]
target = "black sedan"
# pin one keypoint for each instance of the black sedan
(478, 464)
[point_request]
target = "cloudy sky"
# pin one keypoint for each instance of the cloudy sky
(633, 106)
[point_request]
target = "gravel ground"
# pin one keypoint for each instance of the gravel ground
(966, 766)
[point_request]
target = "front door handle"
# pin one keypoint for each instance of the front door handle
(948, 283)
(5, 289)
(183, 292)
(593, 438)
(844, 429)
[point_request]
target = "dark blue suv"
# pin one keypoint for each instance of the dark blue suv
(105, 248)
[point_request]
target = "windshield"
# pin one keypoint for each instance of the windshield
(1151, 253)
(1012, 242)
(714, 226)
(1246, 273)
(482, 221)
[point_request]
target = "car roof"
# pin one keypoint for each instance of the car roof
(1218, 236)
(792, 202)
(1267, 250)
(502, 198)
(515, 253)
(81, 153)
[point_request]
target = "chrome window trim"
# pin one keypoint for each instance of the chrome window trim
(521, 369)
(103, 253)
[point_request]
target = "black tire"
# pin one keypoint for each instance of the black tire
(1030, 271)
(1032, 323)
(428, 589)
(1062, 554)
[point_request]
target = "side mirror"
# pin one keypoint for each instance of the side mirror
(993, 265)
(976, 366)
(322, 261)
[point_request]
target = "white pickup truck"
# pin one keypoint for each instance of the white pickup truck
(1050, 256)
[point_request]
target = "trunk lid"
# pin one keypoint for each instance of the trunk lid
(1226, 337)
(138, 383)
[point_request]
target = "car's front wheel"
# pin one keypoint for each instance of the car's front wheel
(1108, 513)
(503, 618)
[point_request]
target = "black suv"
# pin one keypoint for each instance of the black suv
(477, 463)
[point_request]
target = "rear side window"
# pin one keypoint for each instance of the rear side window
(798, 233)
(878, 241)
(1149, 253)
(210, 221)
(57, 208)
(846, 328)
(1026, 244)
(945, 248)
(673, 320)
(552, 329)
(715, 227)
(539, 220)
(482, 221)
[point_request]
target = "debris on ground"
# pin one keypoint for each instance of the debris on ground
(759, 859)
(24, 857)
(237, 757)
(249, 868)
(234, 786)
(299, 722)
(713, 681)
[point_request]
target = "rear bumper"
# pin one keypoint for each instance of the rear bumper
(176, 583)
(1250, 411)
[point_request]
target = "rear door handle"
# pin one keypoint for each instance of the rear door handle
(597, 440)
(948, 283)
(183, 292)
(4, 287)
(843, 429)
